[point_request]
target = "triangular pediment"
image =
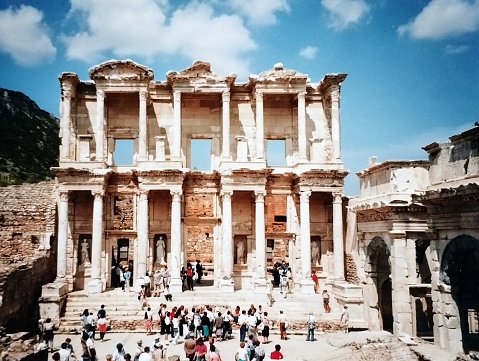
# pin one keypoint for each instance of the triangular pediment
(280, 74)
(199, 71)
(120, 70)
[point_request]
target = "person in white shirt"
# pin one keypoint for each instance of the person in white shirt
(145, 355)
(310, 324)
(345, 318)
(147, 283)
(64, 352)
(243, 323)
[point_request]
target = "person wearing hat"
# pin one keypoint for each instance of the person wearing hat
(119, 354)
(138, 350)
(160, 352)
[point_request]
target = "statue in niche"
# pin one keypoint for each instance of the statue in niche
(160, 250)
(314, 254)
(84, 254)
(240, 253)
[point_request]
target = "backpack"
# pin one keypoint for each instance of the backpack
(146, 315)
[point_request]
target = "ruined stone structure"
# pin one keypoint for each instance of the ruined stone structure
(242, 213)
(413, 234)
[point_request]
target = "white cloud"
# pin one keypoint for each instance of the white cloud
(344, 13)
(456, 49)
(262, 12)
(24, 36)
(443, 18)
(309, 52)
(144, 29)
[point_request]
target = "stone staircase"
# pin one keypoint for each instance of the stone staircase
(121, 306)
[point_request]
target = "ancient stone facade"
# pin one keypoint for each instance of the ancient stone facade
(413, 235)
(242, 213)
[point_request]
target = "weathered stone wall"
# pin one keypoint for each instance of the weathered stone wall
(200, 243)
(27, 225)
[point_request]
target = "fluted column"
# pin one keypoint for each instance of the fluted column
(338, 244)
(142, 149)
(259, 126)
(62, 236)
(260, 284)
(95, 285)
(335, 124)
(176, 152)
(307, 285)
(175, 260)
(302, 125)
(226, 218)
(66, 122)
(100, 126)
(226, 124)
(142, 233)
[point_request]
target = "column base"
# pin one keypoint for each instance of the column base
(227, 285)
(176, 286)
(95, 286)
(260, 286)
(307, 287)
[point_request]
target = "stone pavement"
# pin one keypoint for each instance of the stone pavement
(331, 346)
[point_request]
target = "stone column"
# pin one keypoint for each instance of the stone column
(338, 242)
(260, 283)
(335, 124)
(175, 260)
(302, 125)
(176, 151)
(142, 233)
(227, 283)
(66, 122)
(62, 237)
(307, 284)
(226, 124)
(259, 126)
(142, 149)
(95, 285)
(100, 126)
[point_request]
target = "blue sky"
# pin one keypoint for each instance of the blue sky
(413, 65)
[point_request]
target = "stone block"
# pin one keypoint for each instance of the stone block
(454, 334)
(452, 322)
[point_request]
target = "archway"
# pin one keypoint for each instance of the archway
(460, 270)
(379, 271)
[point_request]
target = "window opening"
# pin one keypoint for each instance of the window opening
(276, 152)
(123, 153)
(200, 158)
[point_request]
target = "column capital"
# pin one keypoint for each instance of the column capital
(225, 96)
(337, 197)
(176, 195)
(259, 195)
(334, 91)
(98, 194)
(302, 95)
(177, 96)
(64, 196)
(226, 195)
(397, 235)
(143, 195)
(100, 94)
(259, 96)
(143, 94)
(304, 196)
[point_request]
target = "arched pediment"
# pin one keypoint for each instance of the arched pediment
(121, 70)
(280, 73)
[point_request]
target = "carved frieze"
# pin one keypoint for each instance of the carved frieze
(120, 70)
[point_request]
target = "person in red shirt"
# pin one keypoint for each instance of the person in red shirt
(314, 277)
(200, 350)
(276, 354)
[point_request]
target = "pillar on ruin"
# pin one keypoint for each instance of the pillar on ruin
(142, 234)
(95, 285)
(338, 242)
(302, 125)
(176, 151)
(260, 282)
(142, 136)
(176, 241)
(307, 284)
(62, 237)
(259, 126)
(227, 284)
(226, 125)
(335, 123)
(66, 123)
(100, 126)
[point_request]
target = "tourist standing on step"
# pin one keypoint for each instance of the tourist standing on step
(315, 279)
(142, 297)
(167, 293)
(282, 325)
(84, 319)
(189, 277)
(157, 283)
(48, 333)
(345, 318)
(199, 271)
(326, 307)
(147, 283)
(310, 324)
(127, 277)
(101, 312)
(148, 321)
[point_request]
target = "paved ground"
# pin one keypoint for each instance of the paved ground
(334, 346)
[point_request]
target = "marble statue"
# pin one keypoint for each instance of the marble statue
(160, 250)
(240, 253)
(314, 254)
(85, 258)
